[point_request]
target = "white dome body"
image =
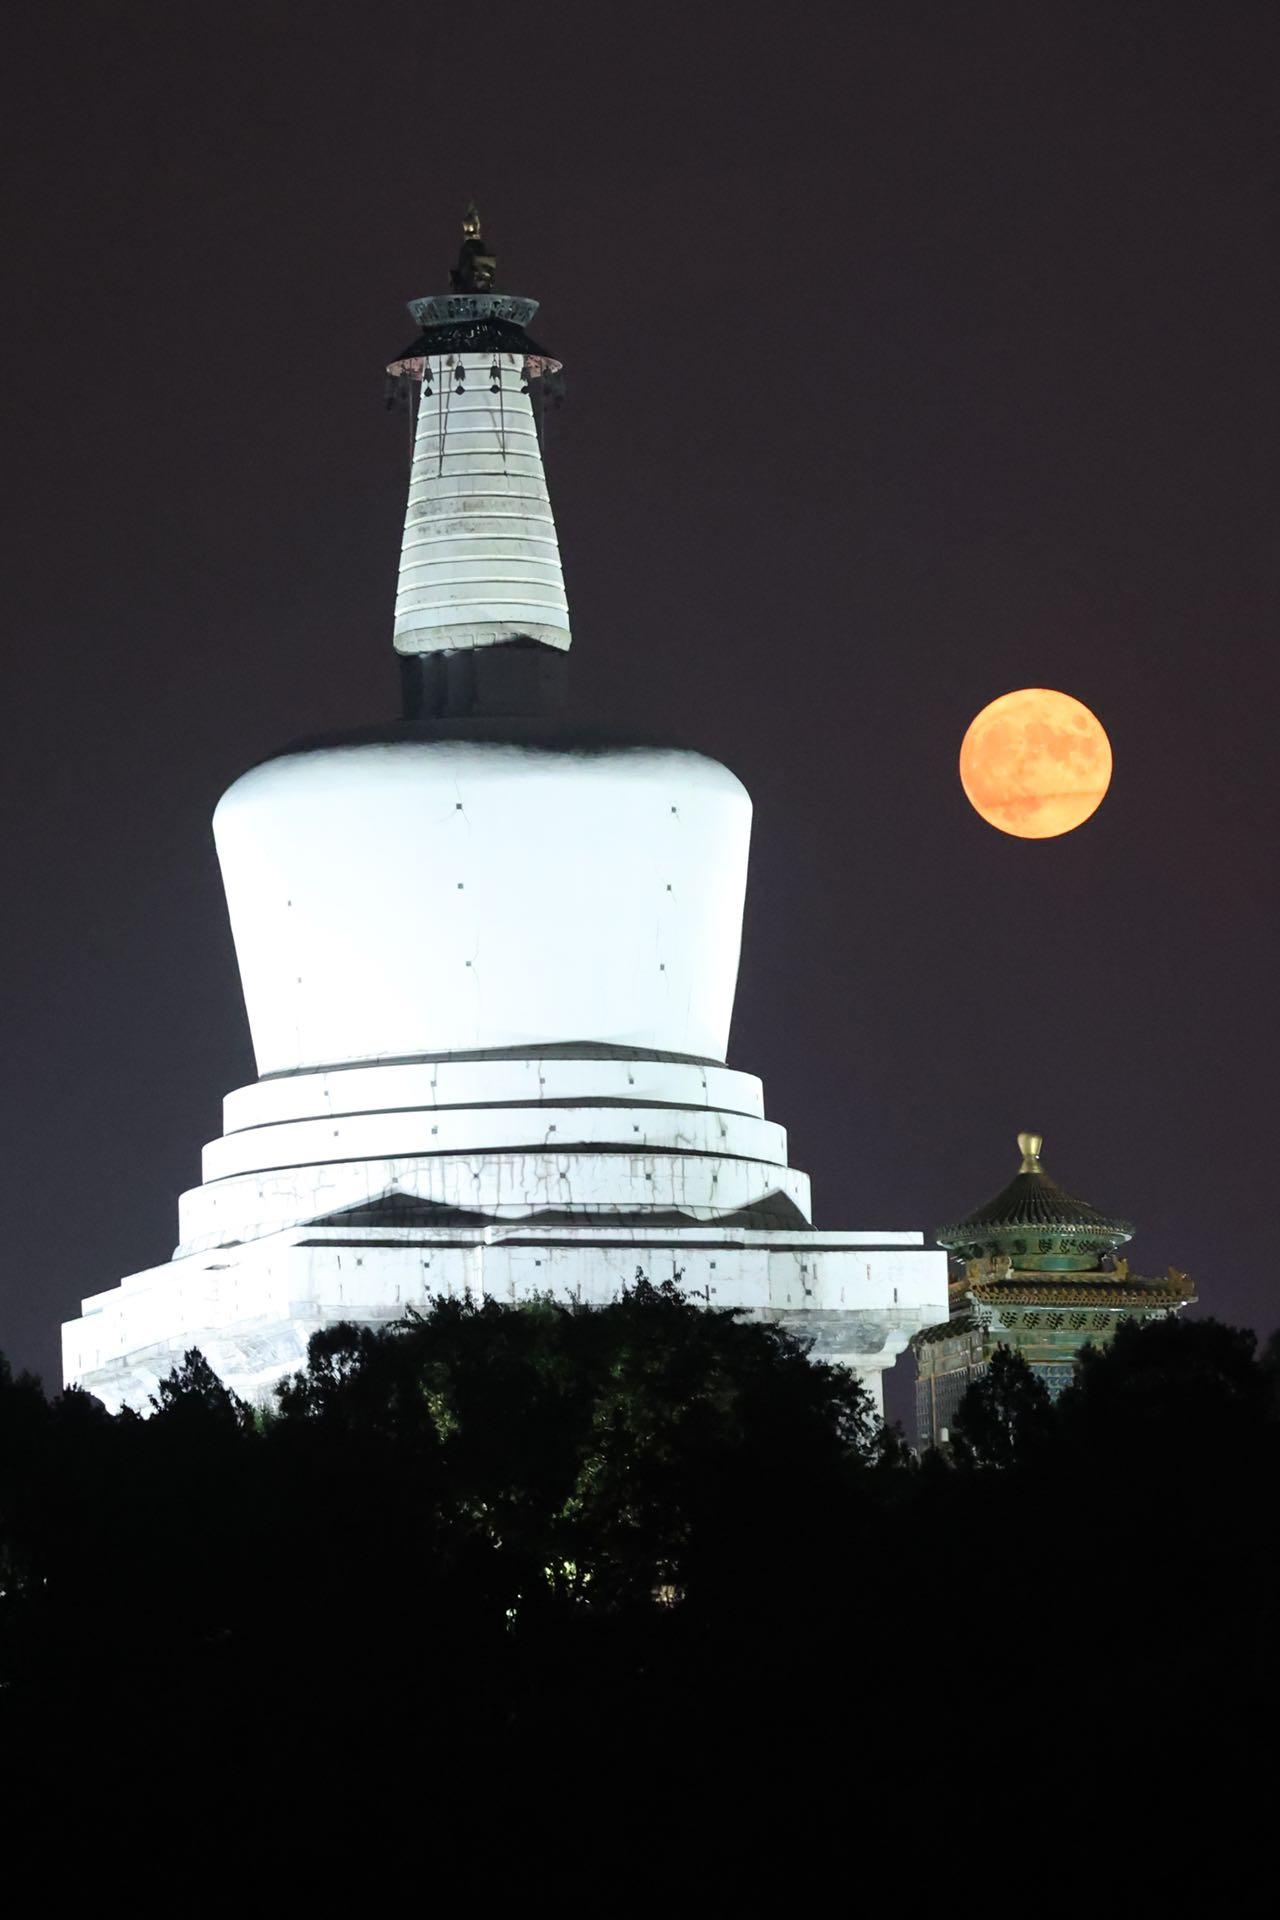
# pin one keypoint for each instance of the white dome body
(392, 899)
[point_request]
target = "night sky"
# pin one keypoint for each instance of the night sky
(914, 353)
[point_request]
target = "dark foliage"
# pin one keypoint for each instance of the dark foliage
(646, 1528)
(1005, 1417)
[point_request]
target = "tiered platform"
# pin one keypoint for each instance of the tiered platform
(364, 1191)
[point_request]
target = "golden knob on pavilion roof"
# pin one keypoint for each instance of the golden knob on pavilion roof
(1036, 1224)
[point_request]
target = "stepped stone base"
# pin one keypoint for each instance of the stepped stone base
(359, 1194)
(251, 1310)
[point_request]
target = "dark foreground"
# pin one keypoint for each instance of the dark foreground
(641, 1535)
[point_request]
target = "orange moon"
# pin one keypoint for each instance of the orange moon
(1035, 763)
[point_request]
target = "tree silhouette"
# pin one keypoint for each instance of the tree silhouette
(550, 1529)
(1005, 1416)
(1169, 1390)
(193, 1392)
(595, 1452)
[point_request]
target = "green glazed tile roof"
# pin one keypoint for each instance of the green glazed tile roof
(1033, 1219)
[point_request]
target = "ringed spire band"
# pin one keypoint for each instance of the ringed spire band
(480, 560)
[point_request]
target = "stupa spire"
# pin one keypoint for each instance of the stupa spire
(480, 562)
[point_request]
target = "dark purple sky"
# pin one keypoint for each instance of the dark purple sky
(916, 352)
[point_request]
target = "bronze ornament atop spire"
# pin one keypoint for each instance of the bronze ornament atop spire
(477, 268)
(472, 318)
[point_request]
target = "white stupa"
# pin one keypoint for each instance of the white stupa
(489, 964)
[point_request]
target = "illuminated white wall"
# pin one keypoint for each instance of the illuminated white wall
(251, 1309)
(480, 562)
(522, 1081)
(445, 896)
(494, 1185)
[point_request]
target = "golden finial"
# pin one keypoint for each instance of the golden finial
(476, 269)
(1029, 1145)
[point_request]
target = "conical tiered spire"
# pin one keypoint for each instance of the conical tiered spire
(480, 563)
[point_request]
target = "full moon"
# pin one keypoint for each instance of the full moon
(1035, 763)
